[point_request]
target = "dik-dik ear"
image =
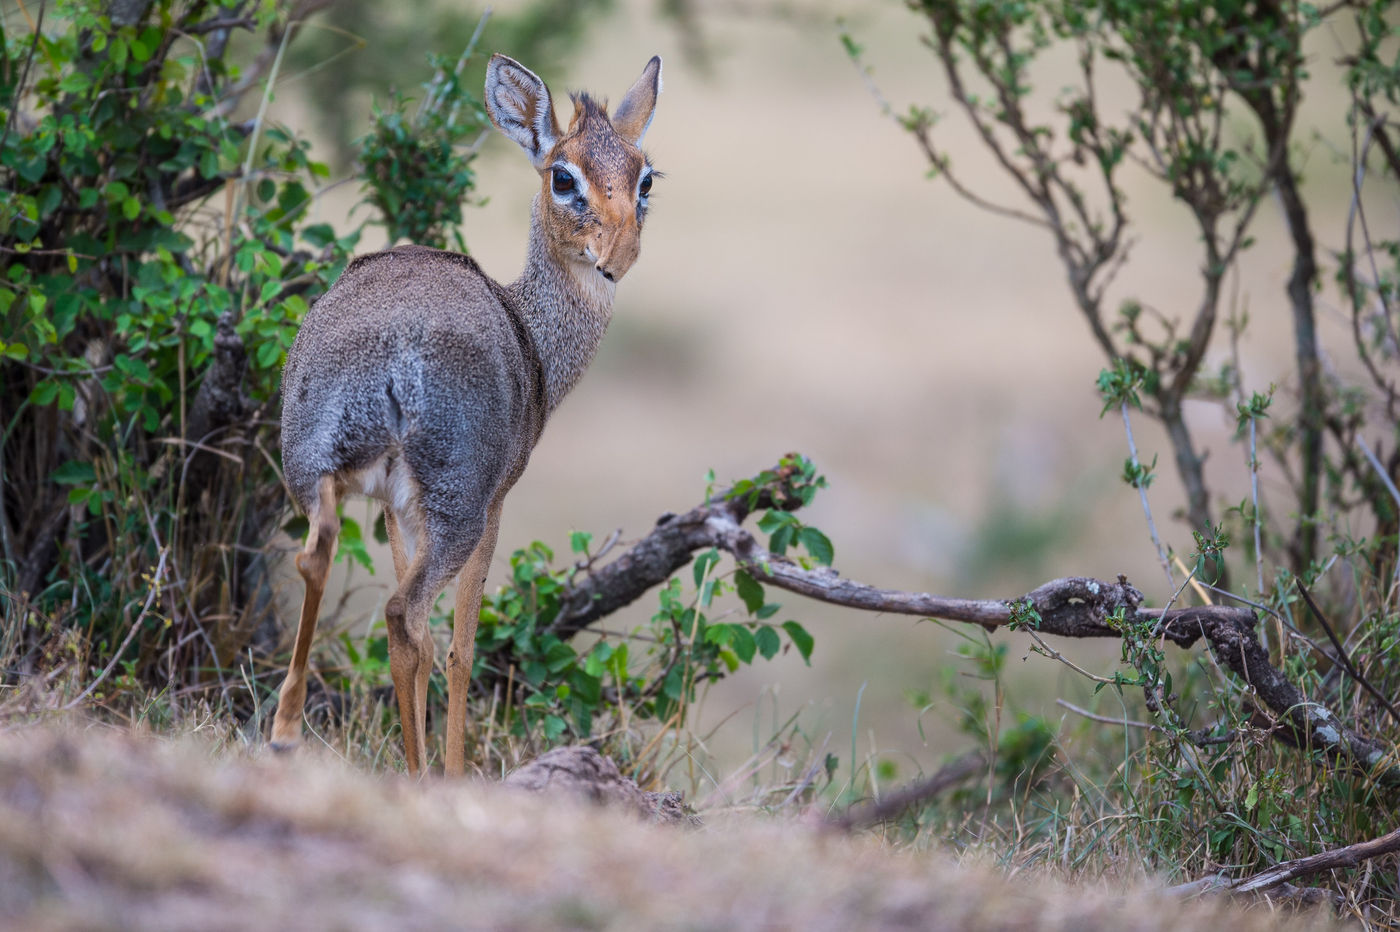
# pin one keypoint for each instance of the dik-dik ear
(634, 113)
(519, 105)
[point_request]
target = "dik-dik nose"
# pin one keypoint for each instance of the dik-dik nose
(617, 253)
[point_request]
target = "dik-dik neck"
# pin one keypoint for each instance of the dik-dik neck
(567, 306)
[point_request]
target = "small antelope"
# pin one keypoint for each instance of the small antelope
(423, 383)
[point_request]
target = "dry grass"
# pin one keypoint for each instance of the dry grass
(107, 829)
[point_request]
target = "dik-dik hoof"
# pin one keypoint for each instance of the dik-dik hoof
(283, 748)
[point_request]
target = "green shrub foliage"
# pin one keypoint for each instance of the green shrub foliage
(159, 251)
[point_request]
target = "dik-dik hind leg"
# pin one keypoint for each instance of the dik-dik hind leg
(470, 584)
(314, 564)
(391, 527)
(411, 648)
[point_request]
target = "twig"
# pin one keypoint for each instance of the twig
(1200, 737)
(24, 77)
(1342, 657)
(130, 635)
(1385, 480)
(1142, 496)
(214, 25)
(1056, 655)
(810, 774)
(920, 791)
(1105, 719)
(939, 162)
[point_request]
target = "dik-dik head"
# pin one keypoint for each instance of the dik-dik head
(594, 178)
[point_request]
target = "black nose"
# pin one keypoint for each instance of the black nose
(606, 274)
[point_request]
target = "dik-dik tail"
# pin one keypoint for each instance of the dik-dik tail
(421, 382)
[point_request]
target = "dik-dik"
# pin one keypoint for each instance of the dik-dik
(421, 382)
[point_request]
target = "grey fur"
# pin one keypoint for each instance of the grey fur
(415, 355)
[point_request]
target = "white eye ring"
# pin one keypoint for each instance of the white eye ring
(578, 188)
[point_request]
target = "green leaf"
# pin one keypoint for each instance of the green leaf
(131, 208)
(296, 527)
(74, 472)
(579, 541)
(773, 519)
(132, 367)
(750, 590)
(596, 664)
(352, 544)
(703, 563)
(617, 665)
(554, 726)
(319, 235)
(269, 354)
(800, 639)
(768, 641)
(719, 635)
(559, 657)
(817, 544)
(75, 82)
(743, 643)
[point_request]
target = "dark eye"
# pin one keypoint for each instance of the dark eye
(645, 187)
(563, 182)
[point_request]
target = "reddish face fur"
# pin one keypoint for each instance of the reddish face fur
(597, 221)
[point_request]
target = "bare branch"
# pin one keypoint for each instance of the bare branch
(1346, 856)
(920, 791)
(1077, 607)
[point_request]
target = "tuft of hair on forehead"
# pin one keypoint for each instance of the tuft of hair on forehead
(587, 109)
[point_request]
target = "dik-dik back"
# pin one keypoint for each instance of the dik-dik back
(421, 382)
(414, 358)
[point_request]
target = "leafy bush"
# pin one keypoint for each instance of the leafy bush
(158, 258)
(1204, 782)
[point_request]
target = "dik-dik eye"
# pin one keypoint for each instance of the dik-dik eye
(563, 182)
(645, 187)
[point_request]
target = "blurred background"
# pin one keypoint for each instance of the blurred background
(803, 286)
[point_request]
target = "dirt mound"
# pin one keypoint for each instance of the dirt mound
(101, 830)
(583, 773)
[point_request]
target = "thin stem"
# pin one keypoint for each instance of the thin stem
(130, 635)
(1142, 496)
(1394, 493)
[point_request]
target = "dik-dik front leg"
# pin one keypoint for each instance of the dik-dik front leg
(314, 564)
(471, 582)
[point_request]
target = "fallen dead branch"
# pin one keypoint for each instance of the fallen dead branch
(1345, 856)
(1076, 607)
(915, 793)
(1275, 880)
